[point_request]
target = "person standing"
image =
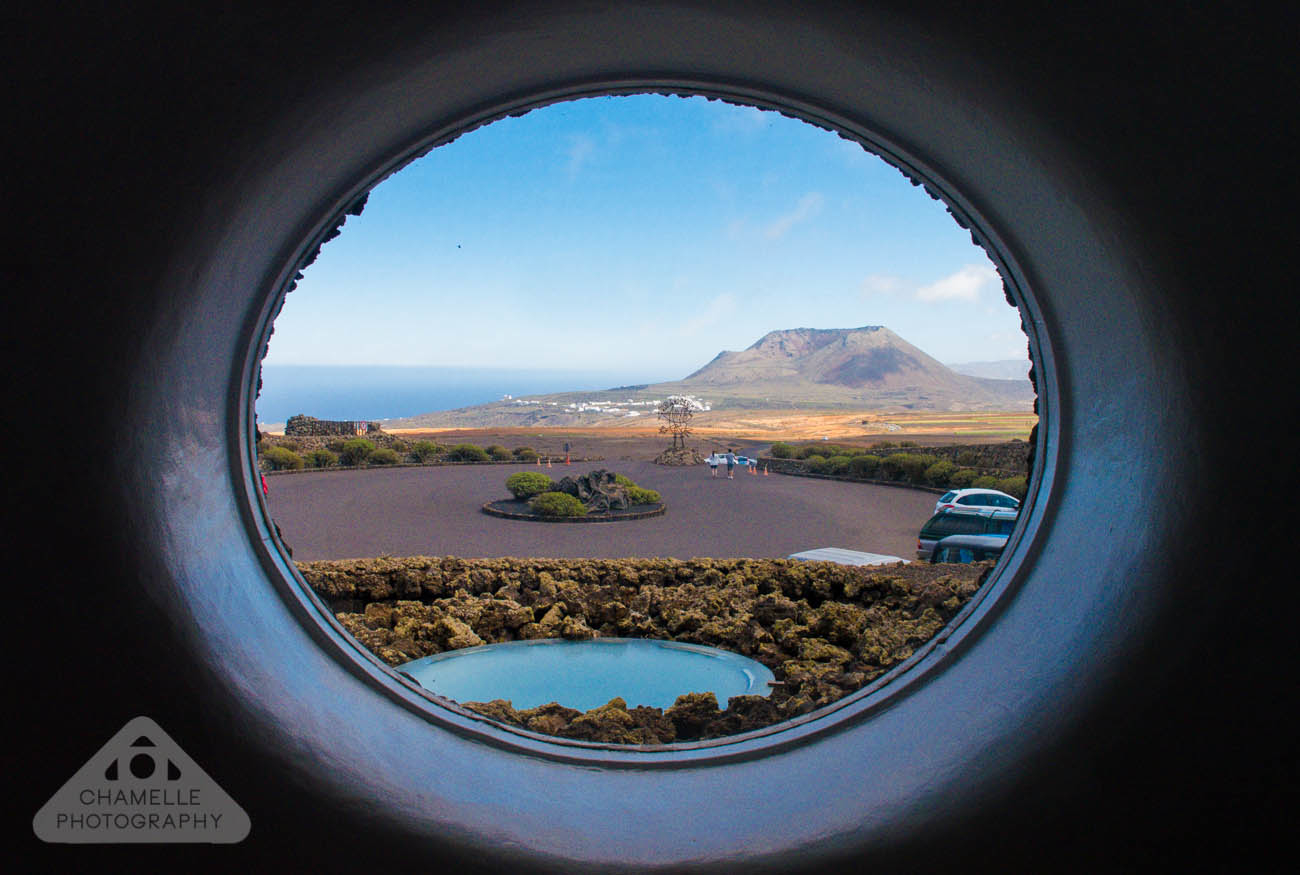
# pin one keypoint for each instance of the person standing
(731, 465)
(713, 465)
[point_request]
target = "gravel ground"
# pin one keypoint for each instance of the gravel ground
(435, 511)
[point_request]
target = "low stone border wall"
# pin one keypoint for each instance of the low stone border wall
(794, 468)
(825, 630)
(616, 517)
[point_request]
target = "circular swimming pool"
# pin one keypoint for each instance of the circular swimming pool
(587, 674)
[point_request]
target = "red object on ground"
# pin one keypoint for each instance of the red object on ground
(265, 491)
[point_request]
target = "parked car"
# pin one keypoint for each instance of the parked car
(968, 548)
(959, 499)
(975, 521)
(846, 557)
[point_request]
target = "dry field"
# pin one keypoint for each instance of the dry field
(749, 430)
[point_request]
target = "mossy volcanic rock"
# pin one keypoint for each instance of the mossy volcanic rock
(824, 630)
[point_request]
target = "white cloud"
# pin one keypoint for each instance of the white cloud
(808, 207)
(964, 285)
(717, 310)
(881, 284)
(581, 148)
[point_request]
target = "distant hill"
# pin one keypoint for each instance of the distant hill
(1004, 369)
(868, 368)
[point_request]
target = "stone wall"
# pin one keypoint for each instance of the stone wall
(824, 630)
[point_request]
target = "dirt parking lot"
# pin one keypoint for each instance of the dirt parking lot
(435, 511)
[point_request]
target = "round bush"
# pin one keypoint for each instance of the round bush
(962, 478)
(399, 446)
(967, 459)
(1015, 486)
(883, 445)
(782, 450)
(355, 451)
(423, 451)
(526, 454)
(807, 452)
(526, 484)
(336, 445)
(321, 458)
(467, 453)
(281, 459)
(557, 504)
(939, 473)
(816, 463)
(498, 453)
(838, 464)
(384, 456)
(985, 482)
(637, 495)
(624, 480)
(864, 466)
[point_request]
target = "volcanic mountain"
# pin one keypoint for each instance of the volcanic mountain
(869, 366)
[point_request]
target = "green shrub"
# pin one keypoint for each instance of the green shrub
(810, 450)
(281, 459)
(355, 451)
(816, 463)
(1016, 486)
(883, 445)
(528, 454)
(637, 495)
(891, 466)
(557, 504)
(321, 458)
(624, 480)
(908, 444)
(467, 453)
(967, 459)
(939, 473)
(498, 453)
(399, 446)
(336, 445)
(914, 465)
(985, 482)
(782, 450)
(526, 484)
(263, 445)
(383, 456)
(423, 451)
(962, 478)
(838, 464)
(864, 466)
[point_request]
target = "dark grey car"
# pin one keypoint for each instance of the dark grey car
(963, 522)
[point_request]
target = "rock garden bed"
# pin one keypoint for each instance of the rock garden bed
(825, 630)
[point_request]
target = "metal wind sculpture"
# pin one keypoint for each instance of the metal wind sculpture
(676, 412)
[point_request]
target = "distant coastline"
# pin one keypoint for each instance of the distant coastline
(385, 392)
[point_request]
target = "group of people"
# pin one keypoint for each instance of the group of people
(730, 459)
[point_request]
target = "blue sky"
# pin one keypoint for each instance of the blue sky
(640, 233)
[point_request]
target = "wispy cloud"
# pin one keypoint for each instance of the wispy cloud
(881, 284)
(714, 312)
(581, 148)
(964, 285)
(808, 207)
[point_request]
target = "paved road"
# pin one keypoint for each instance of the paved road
(435, 511)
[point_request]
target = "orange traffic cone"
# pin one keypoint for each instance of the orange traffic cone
(566, 458)
(539, 461)
(548, 461)
(764, 470)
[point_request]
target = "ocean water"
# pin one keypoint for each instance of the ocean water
(377, 392)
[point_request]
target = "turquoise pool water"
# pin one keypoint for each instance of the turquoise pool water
(587, 674)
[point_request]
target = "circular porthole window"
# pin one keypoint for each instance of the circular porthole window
(883, 768)
(843, 639)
